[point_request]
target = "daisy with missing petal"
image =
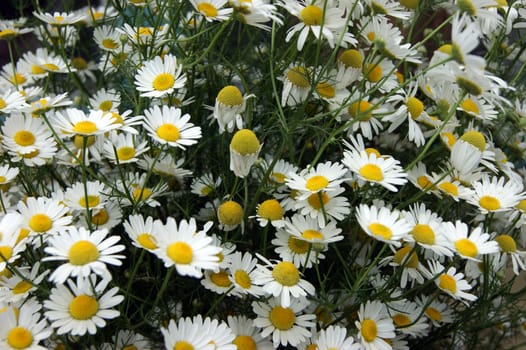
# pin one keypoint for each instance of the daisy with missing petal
(382, 224)
(44, 215)
(494, 194)
(242, 273)
(229, 105)
(247, 336)
(469, 247)
(282, 280)
(286, 323)
(189, 250)
(76, 122)
(168, 126)
(508, 247)
(142, 231)
(19, 286)
(81, 307)
(451, 282)
(374, 326)
(22, 327)
(84, 253)
(187, 333)
(324, 177)
(160, 77)
(212, 10)
(91, 195)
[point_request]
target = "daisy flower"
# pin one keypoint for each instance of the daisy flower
(382, 224)
(25, 135)
(296, 85)
(147, 36)
(324, 177)
(59, 18)
(7, 174)
(363, 116)
(22, 327)
(218, 282)
(450, 186)
(108, 39)
(451, 282)
(17, 288)
(230, 214)
(407, 318)
(189, 250)
(186, 333)
(436, 311)
(384, 170)
(247, 336)
(256, 13)
(508, 247)
(168, 126)
(81, 307)
(124, 148)
(10, 29)
(335, 338)
(229, 105)
(270, 211)
(44, 215)
(212, 10)
(12, 101)
(160, 77)
(105, 218)
(76, 122)
(205, 185)
(129, 340)
(244, 151)
(299, 251)
(286, 323)
(83, 253)
(282, 280)
(421, 179)
(10, 245)
(495, 195)
(47, 103)
(142, 231)
(308, 229)
(220, 334)
(374, 326)
(134, 191)
(43, 62)
(472, 246)
(91, 195)
(105, 100)
(412, 270)
(242, 273)
(324, 206)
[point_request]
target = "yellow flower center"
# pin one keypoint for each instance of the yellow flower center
(230, 96)
(410, 4)
(286, 273)
(469, 86)
(100, 218)
(18, 79)
(401, 320)
(424, 182)
(318, 200)
(378, 8)
(125, 153)
(371, 150)
(79, 63)
(147, 241)
(245, 142)
(32, 154)
(312, 235)
(282, 318)
(37, 70)
(220, 279)
(7, 34)
(467, 6)
(5, 252)
(506, 243)
(83, 307)
(380, 230)
(326, 90)
(19, 338)
(168, 132)
(24, 138)
(448, 283)
(110, 44)
(369, 330)
(78, 141)
(475, 138)
(180, 253)
(423, 233)
(280, 178)
(298, 76)
(311, 15)
(521, 206)
(83, 252)
(466, 247)
(371, 172)
(230, 213)
(141, 194)
(242, 279)
(361, 110)
(373, 72)
(271, 210)
(401, 254)
(89, 202)
(489, 203)
(50, 67)
(163, 81)
(22, 287)
(207, 9)
(433, 313)
(183, 345)
(448, 138)
(316, 183)
(245, 342)
(415, 107)
(298, 246)
(351, 58)
(40, 223)
(85, 127)
(470, 106)
(105, 105)
(449, 188)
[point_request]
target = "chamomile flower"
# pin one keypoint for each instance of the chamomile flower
(508, 247)
(451, 282)
(108, 39)
(19, 286)
(124, 148)
(470, 246)
(129, 340)
(296, 85)
(218, 282)
(160, 77)
(10, 245)
(212, 10)
(7, 174)
(282, 280)
(76, 122)
(169, 126)
(105, 100)
(242, 273)
(186, 333)
(308, 229)
(220, 334)
(324, 177)
(23, 328)
(300, 252)
(270, 211)
(256, 13)
(335, 338)
(205, 185)
(12, 101)
(91, 195)
(189, 250)
(420, 178)
(495, 194)
(382, 224)
(105, 218)
(47, 103)
(244, 151)
(229, 105)
(407, 320)
(10, 29)
(44, 215)
(286, 323)
(147, 36)
(374, 326)
(59, 18)
(324, 206)
(407, 259)
(436, 311)
(81, 307)
(230, 214)
(139, 191)
(23, 135)
(84, 253)
(143, 232)
(451, 187)
(247, 336)
(363, 116)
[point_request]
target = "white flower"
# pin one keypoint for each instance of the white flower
(382, 224)
(160, 77)
(450, 281)
(374, 326)
(469, 247)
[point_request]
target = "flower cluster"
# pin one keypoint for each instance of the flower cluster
(212, 174)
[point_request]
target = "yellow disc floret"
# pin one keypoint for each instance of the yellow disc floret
(245, 142)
